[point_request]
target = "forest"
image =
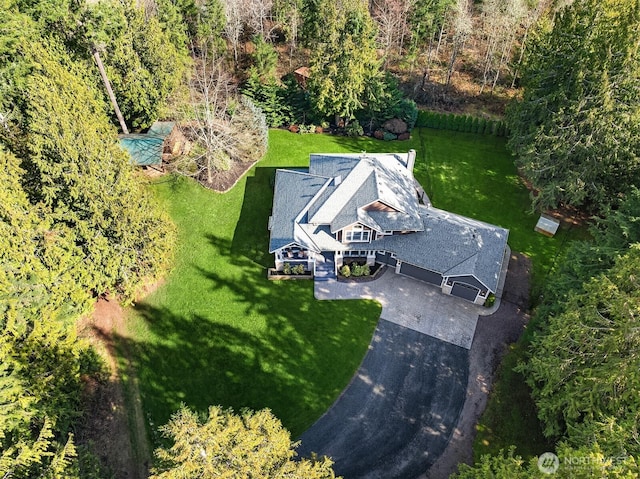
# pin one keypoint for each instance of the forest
(560, 79)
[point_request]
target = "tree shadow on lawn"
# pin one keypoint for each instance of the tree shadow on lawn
(295, 364)
(259, 343)
(251, 236)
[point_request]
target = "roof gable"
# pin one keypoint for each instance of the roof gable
(293, 192)
(361, 181)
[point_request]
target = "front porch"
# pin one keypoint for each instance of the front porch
(292, 256)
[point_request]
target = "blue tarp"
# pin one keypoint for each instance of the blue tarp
(146, 149)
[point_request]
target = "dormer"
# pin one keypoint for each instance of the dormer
(355, 233)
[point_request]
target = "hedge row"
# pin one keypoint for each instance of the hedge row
(465, 123)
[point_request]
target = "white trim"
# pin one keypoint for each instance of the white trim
(472, 275)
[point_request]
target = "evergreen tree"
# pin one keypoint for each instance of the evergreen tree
(40, 358)
(253, 444)
(575, 134)
(79, 173)
(583, 365)
(345, 67)
(586, 462)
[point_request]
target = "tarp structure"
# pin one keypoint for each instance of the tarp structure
(146, 149)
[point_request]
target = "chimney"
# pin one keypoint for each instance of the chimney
(337, 180)
(411, 160)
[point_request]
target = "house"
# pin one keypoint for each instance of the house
(370, 207)
(147, 149)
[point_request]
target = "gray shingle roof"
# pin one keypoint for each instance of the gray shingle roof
(309, 206)
(364, 179)
(451, 244)
(294, 190)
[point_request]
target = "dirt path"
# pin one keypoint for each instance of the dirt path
(114, 428)
(493, 335)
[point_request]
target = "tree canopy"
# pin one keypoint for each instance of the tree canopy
(226, 445)
(344, 65)
(576, 132)
(76, 222)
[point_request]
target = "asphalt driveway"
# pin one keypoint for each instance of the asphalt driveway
(398, 413)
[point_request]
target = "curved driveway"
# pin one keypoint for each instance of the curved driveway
(396, 416)
(398, 413)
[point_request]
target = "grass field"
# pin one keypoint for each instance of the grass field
(217, 332)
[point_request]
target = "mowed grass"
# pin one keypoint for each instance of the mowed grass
(218, 332)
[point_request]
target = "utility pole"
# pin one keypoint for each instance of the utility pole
(107, 84)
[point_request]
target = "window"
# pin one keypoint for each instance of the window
(356, 253)
(357, 234)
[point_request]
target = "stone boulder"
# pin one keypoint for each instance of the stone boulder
(396, 126)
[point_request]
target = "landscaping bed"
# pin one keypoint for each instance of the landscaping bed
(375, 272)
(275, 275)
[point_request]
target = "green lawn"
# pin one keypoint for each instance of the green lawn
(217, 332)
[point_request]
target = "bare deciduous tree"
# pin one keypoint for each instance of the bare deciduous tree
(392, 18)
(255, 15)
(501, 20)
(462, 26)
(220, 126)
(234, 24)
(205, 121)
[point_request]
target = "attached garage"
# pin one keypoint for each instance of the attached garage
(465, 291)
(421, 274)
(386, 258)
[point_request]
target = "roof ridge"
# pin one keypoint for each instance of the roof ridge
(306, 173)
(345, 185)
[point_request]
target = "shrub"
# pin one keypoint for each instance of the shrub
(475, 125)
(354, 129)
(356, 269)
(468, 124)
(306, 129)
(286, 268)
(388, 136)
(490, 301)
(298, 269)
(366, 271)
(345, 271)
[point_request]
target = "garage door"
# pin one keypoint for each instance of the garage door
(385, 259)
(465, 291)
(421, 274)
